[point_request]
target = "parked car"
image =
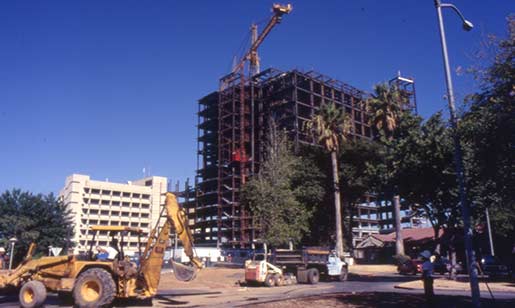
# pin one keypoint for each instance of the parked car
(493, 267)
(412, 267)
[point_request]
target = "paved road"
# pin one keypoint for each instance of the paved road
(252, 295)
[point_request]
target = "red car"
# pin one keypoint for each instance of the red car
(410, 267)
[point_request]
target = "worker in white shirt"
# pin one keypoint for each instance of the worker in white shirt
(111, 253)
(427, 275)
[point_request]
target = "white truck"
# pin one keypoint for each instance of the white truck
(285, 266)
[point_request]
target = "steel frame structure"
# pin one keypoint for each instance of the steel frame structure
(232, 130)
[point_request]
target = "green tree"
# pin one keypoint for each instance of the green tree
(358, 179)
(425, 170)
(329, 128)
(42, 219)
(385, 108)
(283, 194)
(488, 137)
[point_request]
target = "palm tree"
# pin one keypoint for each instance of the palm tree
(385, 108)
(329, 127)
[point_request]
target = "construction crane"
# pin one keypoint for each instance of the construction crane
(278, 11)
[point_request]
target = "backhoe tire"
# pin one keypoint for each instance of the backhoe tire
(94, 288)
(344, 274)
(269, 280)
(313, 276)
(32, 294)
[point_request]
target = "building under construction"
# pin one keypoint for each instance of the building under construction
(232, 129)
(233, 123)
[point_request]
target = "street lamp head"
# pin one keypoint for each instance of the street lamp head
(13, 240)
(467, 25)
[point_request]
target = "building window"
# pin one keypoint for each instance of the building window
(135, 195)
(117, 203)
(146, 196)
(104, 212)
(106, 192)
(116, 193)
(127, 194)
(95, 191)
(105, 202)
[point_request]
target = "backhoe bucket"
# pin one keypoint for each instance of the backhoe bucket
(184, 272)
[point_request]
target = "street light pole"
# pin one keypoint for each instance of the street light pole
(458, 160)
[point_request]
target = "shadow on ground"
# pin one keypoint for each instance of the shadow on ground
(369, 278)
(384, 300)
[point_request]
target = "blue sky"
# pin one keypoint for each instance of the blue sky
(106, 88)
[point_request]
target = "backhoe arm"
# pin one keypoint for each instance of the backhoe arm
(152, 259)
(180, 222)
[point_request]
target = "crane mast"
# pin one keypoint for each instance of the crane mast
(251, 55)
(236, 134)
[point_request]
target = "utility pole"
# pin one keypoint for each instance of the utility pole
(489, 233)
(399, 242)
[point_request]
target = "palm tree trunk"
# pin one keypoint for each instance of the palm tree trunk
(399, 242)
(337, 205)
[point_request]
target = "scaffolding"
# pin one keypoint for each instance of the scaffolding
(406, 87)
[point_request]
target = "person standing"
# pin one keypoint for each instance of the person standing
(427, 275)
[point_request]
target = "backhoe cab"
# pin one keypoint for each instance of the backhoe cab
(96, 279)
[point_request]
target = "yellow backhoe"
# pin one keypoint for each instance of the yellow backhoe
(95, 282)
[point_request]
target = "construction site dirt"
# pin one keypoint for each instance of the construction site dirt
(224, 287)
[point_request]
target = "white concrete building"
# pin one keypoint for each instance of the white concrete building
(135, 204)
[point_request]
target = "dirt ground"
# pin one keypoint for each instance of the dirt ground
(381, 300)
(211, 277)
(374, 269)
(220, 277)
